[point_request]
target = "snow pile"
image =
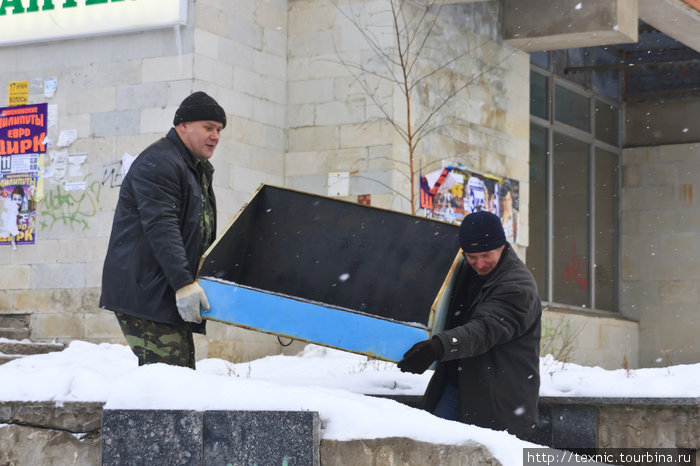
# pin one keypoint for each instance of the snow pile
(332, 382)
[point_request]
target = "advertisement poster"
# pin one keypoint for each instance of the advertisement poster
(451, 193)
(17, 209)
(22, 134)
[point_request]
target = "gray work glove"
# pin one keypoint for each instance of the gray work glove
(188, 299)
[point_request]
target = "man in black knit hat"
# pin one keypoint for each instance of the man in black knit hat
(488, 355)
(164, 221)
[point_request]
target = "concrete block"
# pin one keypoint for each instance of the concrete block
(89, 249)
(94, 100)
(76, 417)
(315, 45)
(70, 275)
(206, 43)
(372, 134)
(657, 221)
(236, 54)
(300, 115)
(313, 138)
(271, 16)
(243, 179)
(141, 96)
(157, 120)
(81, 123)
(311, 91)
(270, 64)
(269, 113)
(245, 32)
(178, 90)
(275, 40)
(262, 159)
(340, 113)
(67, 325)
(114, 123)
(261, 437)
(212, 71)
(248, 82)
(139, 45)
(650, 427)
(395, 451)
(305, 163)
(660, 174)
(46, 446)
(44, 251)
(372, 182)
(570, 25)
(304, 18)
(678, 291)
(168, 68)
(211, 19)
(15, 277)
(151, 437)
(93, 273)
(305, 65)
(316, 184)
(102, 326)
(113, 74)
(5, 301)
(32, 300)
(276, 139)
(247, 131)
(236, 103)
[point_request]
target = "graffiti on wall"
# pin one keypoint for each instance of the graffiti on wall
(72, 208)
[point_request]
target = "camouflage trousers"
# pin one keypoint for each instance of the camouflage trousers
(154, 342)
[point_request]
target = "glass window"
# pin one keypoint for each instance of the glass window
(539, 102)
(573, 249)
(606, 229)
(540, 59)
(537, 249)
(606, 123)
(571, 108)
(570, 209)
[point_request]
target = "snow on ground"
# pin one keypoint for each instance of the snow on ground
(332, 382)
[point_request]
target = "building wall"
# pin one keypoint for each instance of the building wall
(660, 240)
(666, 121)
(296, 114)
(598, 339)
(120, 93)
(337, 125)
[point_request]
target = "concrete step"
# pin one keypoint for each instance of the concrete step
(7, 358)
(14, 326)
(14, 349)
(12, 333)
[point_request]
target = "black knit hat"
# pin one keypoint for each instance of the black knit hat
(199, 106)
(481, 231)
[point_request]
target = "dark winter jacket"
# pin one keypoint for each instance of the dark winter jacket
(495, 343)
(154, 248)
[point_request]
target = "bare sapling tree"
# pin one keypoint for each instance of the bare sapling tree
(407, 56)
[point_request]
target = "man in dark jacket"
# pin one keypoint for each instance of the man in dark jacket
(164, 221)
(488, 355)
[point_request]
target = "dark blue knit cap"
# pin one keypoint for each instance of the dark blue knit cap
(481, 231)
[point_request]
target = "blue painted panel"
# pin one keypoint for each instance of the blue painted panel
(312, 322)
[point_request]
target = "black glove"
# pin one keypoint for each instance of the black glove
(421, 355)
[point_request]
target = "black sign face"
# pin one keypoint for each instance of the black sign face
(329, 251)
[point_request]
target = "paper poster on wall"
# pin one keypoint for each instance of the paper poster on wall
(453, 192)
(17, 93)
(22, 135)
(17, 208)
